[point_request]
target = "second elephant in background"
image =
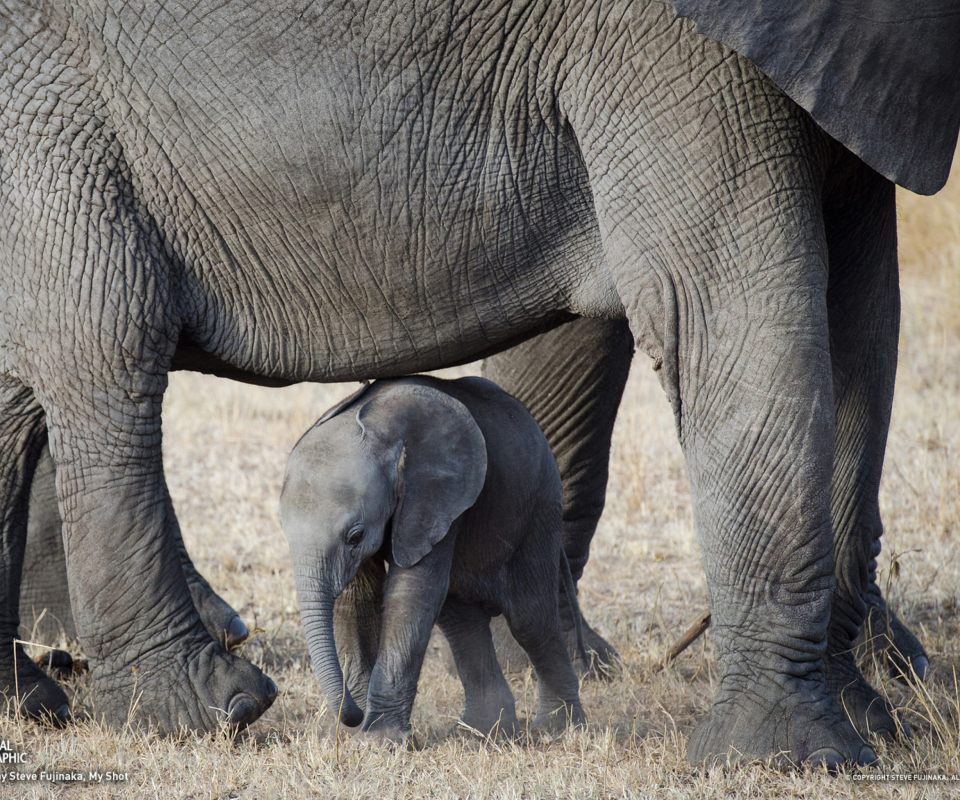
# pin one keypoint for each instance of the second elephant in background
(433, 501)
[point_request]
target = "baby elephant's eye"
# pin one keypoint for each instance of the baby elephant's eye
(354, 535)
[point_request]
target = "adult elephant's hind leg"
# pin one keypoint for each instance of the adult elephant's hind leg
(571, 380)
(864, 309)
(22, 435)
(45, 608)
(151, 657)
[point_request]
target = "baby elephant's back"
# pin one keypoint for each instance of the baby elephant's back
(521, 495)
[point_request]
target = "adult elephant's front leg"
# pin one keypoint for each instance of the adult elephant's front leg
(757, 429)
(714, 234)
(151, 657)
(103, 322)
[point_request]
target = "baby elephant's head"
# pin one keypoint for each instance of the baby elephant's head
(399, 460)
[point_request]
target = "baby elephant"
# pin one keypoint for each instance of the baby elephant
(428, 501)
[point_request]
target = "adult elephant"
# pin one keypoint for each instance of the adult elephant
(328, 194)
(572, 380)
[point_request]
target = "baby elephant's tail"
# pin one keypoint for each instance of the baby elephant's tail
(571, 592)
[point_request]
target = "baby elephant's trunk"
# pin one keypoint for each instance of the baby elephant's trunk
(316, 611)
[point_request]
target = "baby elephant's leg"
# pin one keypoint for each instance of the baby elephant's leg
(358, 618)
(556, 680)
(490, 707)
(535, 623)
(413, 597)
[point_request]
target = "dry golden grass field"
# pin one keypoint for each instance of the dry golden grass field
(226, 445)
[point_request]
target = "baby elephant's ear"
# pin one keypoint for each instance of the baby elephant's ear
(330, 413)
(441, 466)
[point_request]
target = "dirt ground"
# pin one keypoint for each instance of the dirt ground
(225, 447)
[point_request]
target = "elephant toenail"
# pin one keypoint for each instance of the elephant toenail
(236, 633)
(827, 757)
(243, 710)
(920, 666)
(63, 713)
(272, 690)
(867, 756)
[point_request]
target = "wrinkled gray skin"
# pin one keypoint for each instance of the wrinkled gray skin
(287, 193)
(571, 379)
(451, 486)
(45, 611)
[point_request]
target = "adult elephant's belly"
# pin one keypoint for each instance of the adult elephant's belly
(401, 267)
(357, 222)
(371, 242)
(381, 284)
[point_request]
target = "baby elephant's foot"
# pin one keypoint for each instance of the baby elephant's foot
(555, 718)
(795, 724)
(37, 695)
(386, 734)
(503, 726)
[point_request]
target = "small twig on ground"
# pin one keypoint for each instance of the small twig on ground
(693, 633)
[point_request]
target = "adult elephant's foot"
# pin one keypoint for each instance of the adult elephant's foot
(61, 665)
(885, 638)
(603, 661)
(495, 719)
(871, 714)
(37, 695)
(502, 726)
(793, 724)
(191, 684)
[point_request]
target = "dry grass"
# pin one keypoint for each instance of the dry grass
(226, 445)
